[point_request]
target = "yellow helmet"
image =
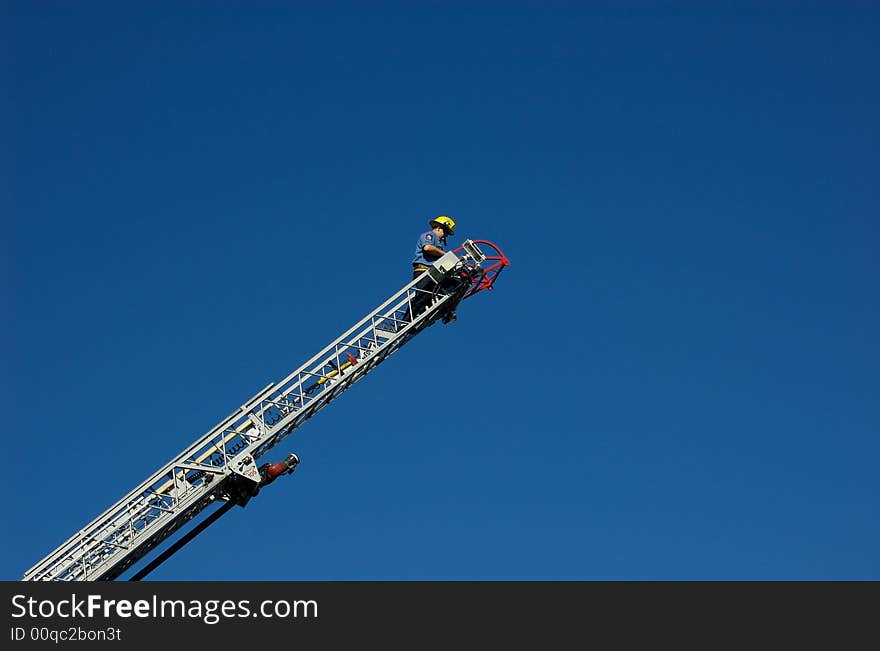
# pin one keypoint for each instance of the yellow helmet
(445, 222)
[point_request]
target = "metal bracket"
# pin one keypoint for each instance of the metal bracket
(473, 251)
(246, 467)
(442, 266)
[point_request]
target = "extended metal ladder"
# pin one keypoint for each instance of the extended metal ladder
(221, 464)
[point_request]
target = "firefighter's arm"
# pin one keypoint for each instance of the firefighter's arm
(432, 250)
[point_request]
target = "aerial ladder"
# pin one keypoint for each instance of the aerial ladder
(221, 466)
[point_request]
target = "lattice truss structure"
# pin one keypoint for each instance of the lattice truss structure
(221, 465)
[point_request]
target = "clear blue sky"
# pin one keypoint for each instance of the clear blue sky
(677, 378)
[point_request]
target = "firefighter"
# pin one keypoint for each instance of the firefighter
(432, 245)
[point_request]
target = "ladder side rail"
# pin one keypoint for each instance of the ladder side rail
(397, 296)
(143, 490)
(258, 447)
(94, 560)
(95, 550)
(290, 427)
(161, 499)
(282, 428)
(118, 565)
(127, 515)
(321, 369)
(115, 518)
(281, 407)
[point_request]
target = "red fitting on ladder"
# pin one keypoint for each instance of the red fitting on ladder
(274, 471)
(492, 267)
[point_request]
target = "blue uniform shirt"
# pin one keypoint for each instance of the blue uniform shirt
(427, 238)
